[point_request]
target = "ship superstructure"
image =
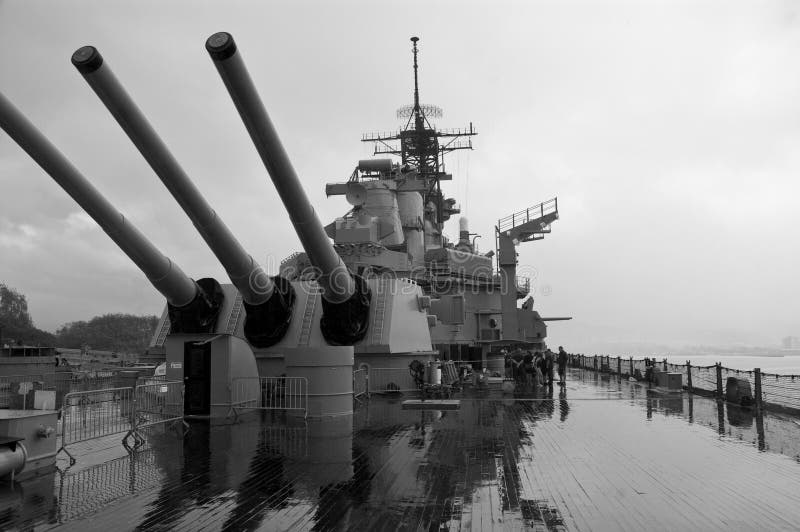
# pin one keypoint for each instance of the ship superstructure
(395, 228)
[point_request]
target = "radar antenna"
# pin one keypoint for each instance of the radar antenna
(418, 144)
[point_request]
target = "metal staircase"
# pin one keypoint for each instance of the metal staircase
(380, 316)
(236, 313)
(162, 334)
(308, 317)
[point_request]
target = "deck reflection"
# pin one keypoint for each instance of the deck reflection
(550, 460)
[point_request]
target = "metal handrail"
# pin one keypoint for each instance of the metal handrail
(538, 211)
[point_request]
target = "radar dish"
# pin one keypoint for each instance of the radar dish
(356, 194)
(428, 110)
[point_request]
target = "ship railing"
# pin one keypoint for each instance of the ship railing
(388, 380)
(269, 393)
(380, 135)
(769, 391)
(360, 384)
(526, 215)
(457, 131)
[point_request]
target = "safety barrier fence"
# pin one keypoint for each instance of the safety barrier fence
(360, 383)
(95, 414)
(769, 390)
(15, 388)
(158, 403)
(269, 393)
(387, 380)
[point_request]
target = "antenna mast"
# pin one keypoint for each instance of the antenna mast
(420, 146)
(418, 120)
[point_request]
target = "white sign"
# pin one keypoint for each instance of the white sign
(176, 365)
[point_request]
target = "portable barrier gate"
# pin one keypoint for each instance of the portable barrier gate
(269, 393)
(99, 413)
(157, 403)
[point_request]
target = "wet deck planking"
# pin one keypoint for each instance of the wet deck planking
(607, 455)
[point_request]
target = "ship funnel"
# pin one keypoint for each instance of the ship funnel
(268, 301)
(345, 297)
(193, 306)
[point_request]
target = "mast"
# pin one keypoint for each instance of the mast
(420, 145)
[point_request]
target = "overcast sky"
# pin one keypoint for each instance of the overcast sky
(668, 130)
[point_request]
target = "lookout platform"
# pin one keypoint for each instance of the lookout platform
(602, 454)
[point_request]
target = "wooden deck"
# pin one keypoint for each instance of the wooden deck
(603, 455)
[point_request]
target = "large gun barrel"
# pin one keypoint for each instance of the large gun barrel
(185, 297)
(345, 297)
(268, 303)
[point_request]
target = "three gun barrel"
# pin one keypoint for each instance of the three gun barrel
(246, 274)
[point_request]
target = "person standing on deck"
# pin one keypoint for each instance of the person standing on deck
(562, 365)
(549, 360)
(538, 364)
(527, 365)
(508, 364)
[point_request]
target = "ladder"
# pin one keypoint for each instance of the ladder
(308, 317)
(236, 313)
(162, 334)
(378, 321)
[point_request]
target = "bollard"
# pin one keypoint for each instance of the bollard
(631, 374)
(757, 379)
(689, 375)
(619, 365)
(719, 381)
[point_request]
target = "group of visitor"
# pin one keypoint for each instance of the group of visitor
(536, 368)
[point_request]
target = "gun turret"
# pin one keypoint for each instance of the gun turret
(268, 301)
(193, 306)
(345, 297)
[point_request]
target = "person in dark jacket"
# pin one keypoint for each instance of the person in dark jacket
(562, 365)
(527, 364)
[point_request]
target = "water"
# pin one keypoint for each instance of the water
(782, 365)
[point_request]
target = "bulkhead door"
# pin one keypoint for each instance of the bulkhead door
(197, 378)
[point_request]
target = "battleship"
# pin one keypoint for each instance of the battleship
(301, 400)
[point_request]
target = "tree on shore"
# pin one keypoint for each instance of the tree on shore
(122, 333)
(15, 321)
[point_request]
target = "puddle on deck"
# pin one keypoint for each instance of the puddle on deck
(603, 455)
